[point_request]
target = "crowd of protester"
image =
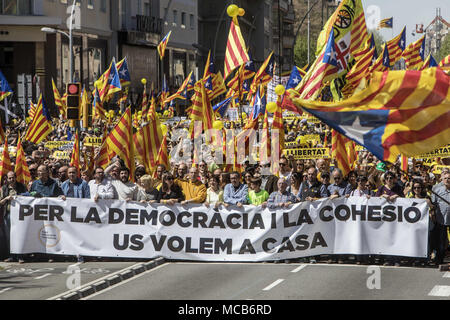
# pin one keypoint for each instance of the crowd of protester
(209, 184)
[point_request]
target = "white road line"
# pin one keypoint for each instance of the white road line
(273, 284)
(43, 276)
(440, 291)
(6, 289)
(447, 274)
(123, 282)
(299, 268)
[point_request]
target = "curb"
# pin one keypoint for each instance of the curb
(88, 290)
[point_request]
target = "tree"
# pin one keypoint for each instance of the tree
(444, 50)
(301, 51)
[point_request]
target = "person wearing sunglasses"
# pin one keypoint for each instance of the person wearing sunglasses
(362, 188)
(390, 190)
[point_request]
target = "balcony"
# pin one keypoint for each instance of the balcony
(149, 24)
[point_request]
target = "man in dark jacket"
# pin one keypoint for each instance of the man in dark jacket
(8, 191)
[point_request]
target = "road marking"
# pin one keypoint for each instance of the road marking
(6, 289)
(440, 291)
(299, 268)
(43, 276)
(273, 284)
(447, 274)
(123, 282)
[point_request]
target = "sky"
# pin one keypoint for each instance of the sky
(406, 13)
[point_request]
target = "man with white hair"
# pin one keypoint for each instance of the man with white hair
(281, 198)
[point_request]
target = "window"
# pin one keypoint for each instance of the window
(192, 21)
(103, 5)
(175, 18)
(139, 7)
(147, 9)
(90, 4)
(183, 20)
(15, 7)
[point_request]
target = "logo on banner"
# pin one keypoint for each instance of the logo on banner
(49, 235)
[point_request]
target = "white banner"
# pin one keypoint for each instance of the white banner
(114, 228)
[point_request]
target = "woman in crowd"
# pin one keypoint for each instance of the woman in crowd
(224, 179)
(169, 193)
(296, 181)
(362, 188)
(351, 179)
(214, 194)
(247, 179)
(146, 192)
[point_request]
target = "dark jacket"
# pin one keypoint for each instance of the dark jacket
(175, 193)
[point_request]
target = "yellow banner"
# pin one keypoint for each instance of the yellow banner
(438, 169)
(443, 152)
(92, 141)
(308, 153)
(61, 155)
(56, 144)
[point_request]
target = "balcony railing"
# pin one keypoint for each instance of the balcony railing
(149, 24)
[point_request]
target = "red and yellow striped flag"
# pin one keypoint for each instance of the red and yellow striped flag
(414, 54)
(163, 155)
(120, 140)
(163, 44)
(236, 52)
(32, 110)
(359, 71)
(102, 158)
(445, 63)
(22, 172)
(75, 157)
(5, 163)
(264, 150)
(58, 101)
(404, 163)
(396, 47)
(147, 142)
(41, 126)
(339, 152)
(2, 133)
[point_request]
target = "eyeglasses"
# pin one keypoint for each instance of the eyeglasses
(417, 188)
(389, 178)
(169, 178)
(282, 164)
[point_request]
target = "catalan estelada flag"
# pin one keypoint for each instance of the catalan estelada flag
(445, 63)
(414, 54)
(21, 169)
(124, 73)
(5, 89)
(163, 44)
(5, 163)
(396, 47)
(400, 112)
(386, 23)
(110, 83)
(236, 52)
(41, 125)
(181, 92)
(429, 63)
(264, 74)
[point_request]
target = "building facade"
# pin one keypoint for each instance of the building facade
(436, 32)
(25, 50)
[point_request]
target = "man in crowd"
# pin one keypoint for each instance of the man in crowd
(75, 187)
(45, 186)
(101, 187)
(281, 198)
(340, 187)
(126, 189)
(235, 192)
(194, 191)
(311, 188)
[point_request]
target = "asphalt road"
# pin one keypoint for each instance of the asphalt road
(227, 281)
(268, 281)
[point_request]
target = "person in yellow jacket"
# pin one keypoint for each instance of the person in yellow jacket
(193, 189)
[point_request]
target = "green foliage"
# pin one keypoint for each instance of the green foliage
(378, 40)
(301, 51)
(445, 49)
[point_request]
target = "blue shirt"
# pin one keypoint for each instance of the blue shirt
(342, 188)
(47, 189)
(234, 196)
(276, 198)
(80, 189)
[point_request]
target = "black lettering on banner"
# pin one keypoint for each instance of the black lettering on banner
(112, 216)
(230, 221)
(400, 213)
(274, 220)
(247, 247)
(302, 241)
(40, 212)
(122, 246)
(322, 213)
(338, 210)
(373, 213)
(175, 240)
(389, 213)
(189, 248)
(25, 210)
(304, 218)
(318, 240)
(146, 217)
(265, 245)
(56, 212)
(158, 244)
(206, 245)
(286, 245)
(361, 212)
(417, 214)
(93, 216)
(136, 240)
(245, 221)
(163, 215)
(257, 222)
(286, 221)
(200, 218)
(180, 221)
(222, 246)
(216, 221)
(73, 215)
(131, 218)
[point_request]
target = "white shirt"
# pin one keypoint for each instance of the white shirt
(104, 190)
(125, 191)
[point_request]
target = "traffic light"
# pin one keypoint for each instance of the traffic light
(73, 101)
